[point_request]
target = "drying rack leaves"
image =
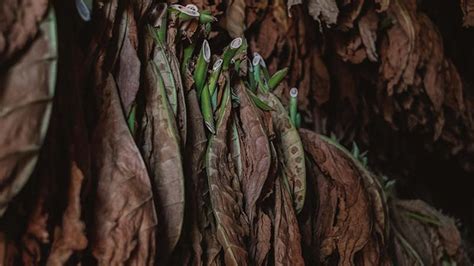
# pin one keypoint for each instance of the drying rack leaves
(287, 239)
(424, 235)
(124, 217)
(255, 152)
(25, 109)
(70, 237)
(345, 219)
(127, 72)
(224, 189)
(20, 23)
(161, 152)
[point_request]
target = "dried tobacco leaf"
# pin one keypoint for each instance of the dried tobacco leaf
(290, 149)
(368, 26)
(7, 251)
(160, 57)
(235, 18)
(324, 11)
(225, 189)
(345, 217)
(162, 155)
(70, 237)
(425, 236)
(467, 7)
(27, 90)
(127, 72)
(125, 219)
(255, 152)
(287, 238)
(20, 23)
(194, 159)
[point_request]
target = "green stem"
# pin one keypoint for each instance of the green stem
(206, 109)
(187, 54)
(293, 105)
(216, 70)
(200, 72)
(231, 51)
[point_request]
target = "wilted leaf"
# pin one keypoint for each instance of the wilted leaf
(26, 94)
(124, 217)
(368, 26)
(287, 239)
(20, 23)
(225, 190)
(161, 152)
(345, 218)
(324, 11)
(424, 241)
(235, 18)
(255, 152)
(70, 237)
(127, 72)
(467, 7)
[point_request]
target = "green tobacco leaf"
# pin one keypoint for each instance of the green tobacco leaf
(161, 151)
(291, 150)
(27, 90)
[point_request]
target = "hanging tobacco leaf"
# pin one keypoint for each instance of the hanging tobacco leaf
(161, 152)
(125, 223)
(425, 236)
(287, 239)
(70, 237)
(27, 90)
(346, 224)
(21, 21)
(255, 151)
(225, 189)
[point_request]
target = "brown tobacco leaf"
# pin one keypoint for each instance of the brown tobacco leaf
(181, 115)
(36, 231)
(235, 18)
(225, 190)
(124, 229)
(467, 7)
(71, 236)
(350, 11)
(127, 67)
(424, 235)
(287, 238)
(324, 11)
(255, 152)
(346, 225)
(194, 156)
(8, 251)
(19, 24)
(368, 26)
(161, 152)
(26, 93)
(263, 243)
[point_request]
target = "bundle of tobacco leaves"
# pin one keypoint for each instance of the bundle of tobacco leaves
(165, 147)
